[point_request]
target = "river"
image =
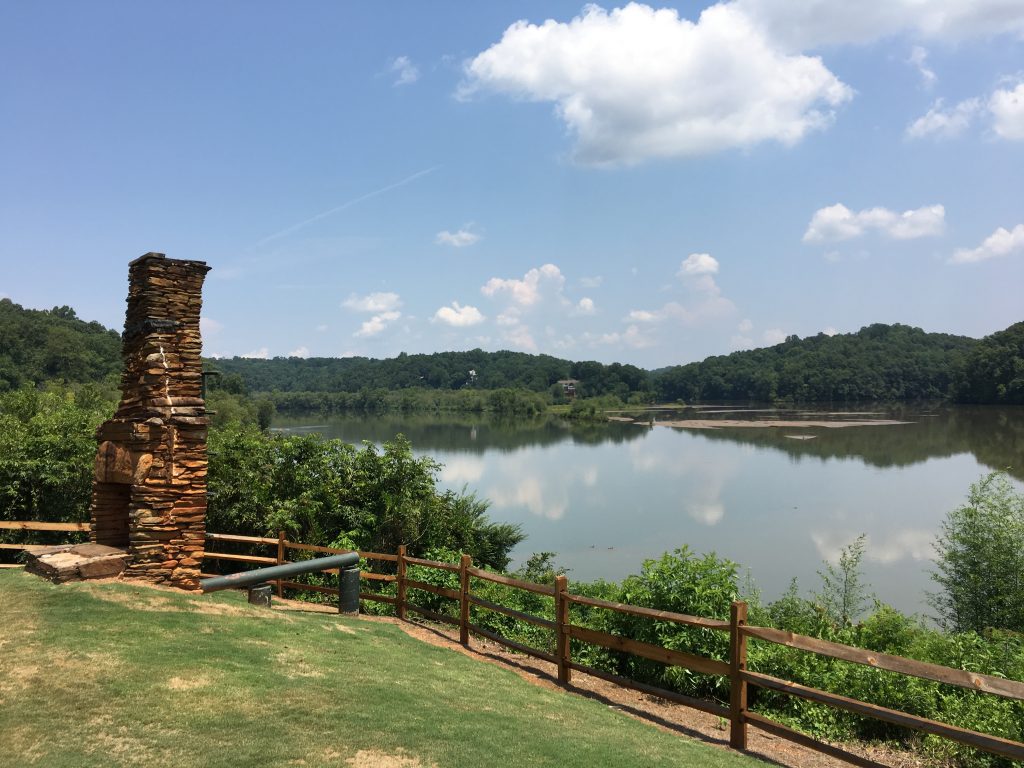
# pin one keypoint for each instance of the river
(777, 500)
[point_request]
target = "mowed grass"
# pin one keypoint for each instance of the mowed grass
(114, 674)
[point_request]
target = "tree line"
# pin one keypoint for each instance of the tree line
(882, 363)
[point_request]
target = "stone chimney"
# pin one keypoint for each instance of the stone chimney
(149, 486)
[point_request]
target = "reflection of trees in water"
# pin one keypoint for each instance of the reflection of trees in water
(994, 435)
(472, 433)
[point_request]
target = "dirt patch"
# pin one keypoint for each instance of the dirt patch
(295, 665)
(371, 758)
(188, 683)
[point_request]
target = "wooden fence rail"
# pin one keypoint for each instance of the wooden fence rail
(734, 668)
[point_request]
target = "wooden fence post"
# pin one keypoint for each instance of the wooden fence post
(737, 686)
(400, 608)
(280, 559)
(464, 565)
(562, 645)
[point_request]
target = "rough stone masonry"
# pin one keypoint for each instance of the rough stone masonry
(149, 487)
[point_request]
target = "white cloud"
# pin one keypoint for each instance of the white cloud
(591, 282)
(830, 331)
(837, 222)
(637, 83)
(1007, 108)
(373, 302)
(585, 306)
(698, 264)
(519, 337)
(459, 316)
(918, 58)
(945, 123)
(259, 354)
(631, 337)
(376, 324)
(406, 73)
(745, 326)
(1002, 242)
(773, 336)
(814, 23)
(741, 342)
(527, 291)
(322, 328)
(207, 325)
(459, 239)
(648, 316)
(509, 317)
(300, 352)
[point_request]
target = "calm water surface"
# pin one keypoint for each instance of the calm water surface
(607, 497)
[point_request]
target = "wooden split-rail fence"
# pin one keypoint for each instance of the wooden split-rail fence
(740, 678)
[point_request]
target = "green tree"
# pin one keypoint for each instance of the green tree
(980, 560)
(844, 595)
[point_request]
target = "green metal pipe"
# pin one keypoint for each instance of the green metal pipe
(274, 572)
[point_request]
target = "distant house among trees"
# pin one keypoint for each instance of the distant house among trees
(569, 387)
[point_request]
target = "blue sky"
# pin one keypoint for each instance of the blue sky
(647, 184)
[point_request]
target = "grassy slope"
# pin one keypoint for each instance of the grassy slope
(111, 674)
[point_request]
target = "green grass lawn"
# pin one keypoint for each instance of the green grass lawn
(112, 674)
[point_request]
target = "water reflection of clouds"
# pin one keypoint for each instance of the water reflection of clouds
(463, 469)
(708, 476)
(520, 484)
(886, 548)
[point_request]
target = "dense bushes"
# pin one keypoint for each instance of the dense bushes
(47, 448)
(322, 491)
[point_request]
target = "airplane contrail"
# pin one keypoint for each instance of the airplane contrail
(343, 206)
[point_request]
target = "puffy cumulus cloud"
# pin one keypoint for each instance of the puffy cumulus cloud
(459, 316)
(585, 306)
(637, 83)
(745, 326)
(830, 331)
(837, 222)
(696, 272)
(263, 353)
(941, 123)
(406, 73)
(373, 302)
(1007, 108)
(376, 324)
(1002, 242)
(300, 352)
(207, 325)
(519, 337)
(526, 292)
(773, 336)
(814, 23)
(458, 239)
(698, 264)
